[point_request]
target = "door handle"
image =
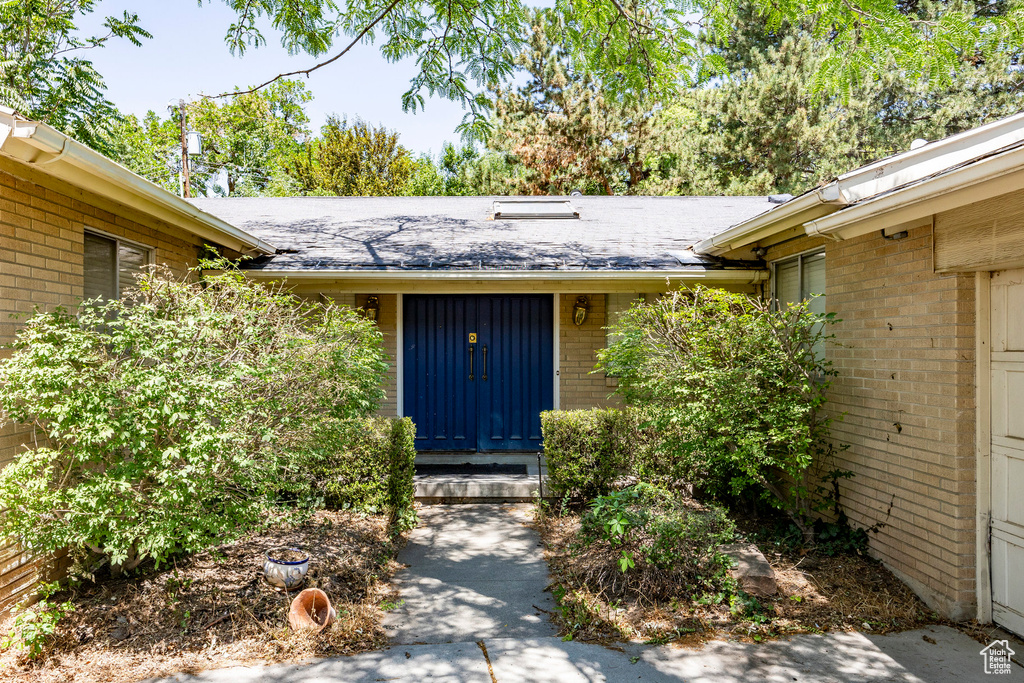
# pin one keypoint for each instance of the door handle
(471, 349)
(485, 363)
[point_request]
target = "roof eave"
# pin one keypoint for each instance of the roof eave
(703, 275)
(818, 202)
(971, 183)
(49, 151)
(881, 179)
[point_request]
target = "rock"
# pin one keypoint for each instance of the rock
(752, 571)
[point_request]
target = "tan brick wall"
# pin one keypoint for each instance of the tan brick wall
(904, 402)
(387, 322)
(578, 388)
(42, 223)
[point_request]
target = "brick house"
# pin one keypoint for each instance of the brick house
(476, 296)
(73, 225)
(492, 309)
(921, 256)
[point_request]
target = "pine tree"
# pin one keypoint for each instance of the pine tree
(763, 128)
(563, 129)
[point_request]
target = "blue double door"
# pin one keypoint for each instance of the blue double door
(478, 370)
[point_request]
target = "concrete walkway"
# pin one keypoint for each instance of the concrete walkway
(475, 571)
(835, 658)
(474, 591)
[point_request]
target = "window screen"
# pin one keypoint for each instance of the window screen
(100, 267)
(111, 266)
(131, 262)
(813, 281)
(800, 278)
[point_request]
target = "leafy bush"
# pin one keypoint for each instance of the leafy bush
(647, 541)
(733, 388)
(366, 463)
(33, 626)
(583, 449)
(170, 420)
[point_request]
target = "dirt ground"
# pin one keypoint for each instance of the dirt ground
(816, 594)
(215, 609)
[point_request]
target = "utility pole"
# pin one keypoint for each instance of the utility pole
(186, 190)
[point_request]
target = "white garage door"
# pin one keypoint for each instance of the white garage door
(1008, 449)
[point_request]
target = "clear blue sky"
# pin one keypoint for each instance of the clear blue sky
(187, 56)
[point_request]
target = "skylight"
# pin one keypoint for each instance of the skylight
(534, 208)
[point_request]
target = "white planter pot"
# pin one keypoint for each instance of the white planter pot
(286, 574)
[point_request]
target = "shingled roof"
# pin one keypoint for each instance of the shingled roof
(456, 233)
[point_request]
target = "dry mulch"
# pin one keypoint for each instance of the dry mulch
(215, 609)
(816, 594)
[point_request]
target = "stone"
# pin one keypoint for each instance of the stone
(752, 571)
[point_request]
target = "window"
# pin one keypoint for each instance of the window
(617, 304)
(112, 265)
(799, 278)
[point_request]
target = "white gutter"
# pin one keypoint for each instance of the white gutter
(869, 181)
(39, 146)
(975, 182)
(732, 275)
(795, 211)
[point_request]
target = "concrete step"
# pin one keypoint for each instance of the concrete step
(477, 488)
(456, 458)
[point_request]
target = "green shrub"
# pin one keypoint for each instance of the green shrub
(401, 489)
(734, 389)
(588, 450)
(170, 420)
(367, 464)
(33, 626)
(583, 451)
(649, 541)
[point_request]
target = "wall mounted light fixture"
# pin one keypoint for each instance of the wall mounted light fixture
(895, 235)
(579, 310)
(372, 307)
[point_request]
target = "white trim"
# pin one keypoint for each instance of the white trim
(731, 275)
(556, 360)
(399, 355)
(983, 442)
(1000, 174)
(886, 185)
(796, 211)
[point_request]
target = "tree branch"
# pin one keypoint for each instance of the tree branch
(313, 68)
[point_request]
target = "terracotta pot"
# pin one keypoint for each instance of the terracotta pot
(311, 609)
